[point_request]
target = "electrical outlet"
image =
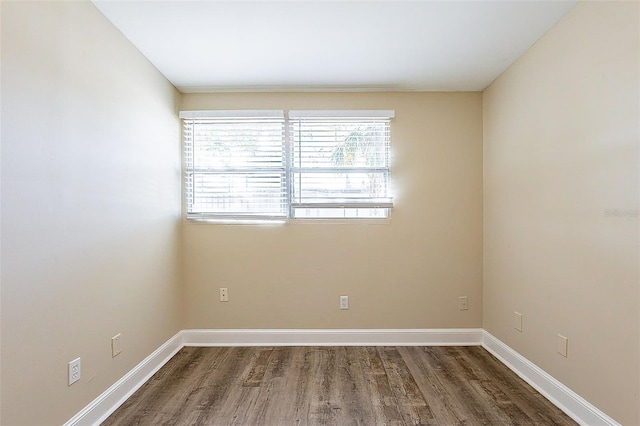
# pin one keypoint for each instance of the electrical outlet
(115, 346)
(224, 294)
(563, 343)
(75, 371)
(344, 302)
(463, 303)
(517, 321)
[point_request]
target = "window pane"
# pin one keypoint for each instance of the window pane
(340, 167)
(340, 144)
(238, 194)
(336, 186)
(340, 213)
(235, 167)
(237, 145)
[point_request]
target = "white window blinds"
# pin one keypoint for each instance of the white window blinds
(235, 164)
(326, 165)
(340, 164)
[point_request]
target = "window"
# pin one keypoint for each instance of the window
(234, 164)
(243, 165)
(340, 164)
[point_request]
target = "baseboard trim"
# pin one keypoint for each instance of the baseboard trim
(338, 337)
(561, 396)
(105, 404)
(564, 398)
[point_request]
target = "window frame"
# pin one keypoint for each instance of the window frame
(324, 120)
(237, 121)
(289, 169)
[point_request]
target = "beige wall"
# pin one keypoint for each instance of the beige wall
(561, 149)
(407, 273)
(90, 208)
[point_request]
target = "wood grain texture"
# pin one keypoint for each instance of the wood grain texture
(336, 386)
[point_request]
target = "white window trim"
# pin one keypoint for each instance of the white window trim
(341, 113)
(236, 113)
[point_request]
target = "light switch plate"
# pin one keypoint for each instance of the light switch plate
(116, 349)
(517, 321)
(563, 344)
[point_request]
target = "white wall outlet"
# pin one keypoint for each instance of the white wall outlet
(563, 343)
(344, 302)
(517, 321)
(463, 303)
(224, 294)
(115, 346)
(75, 371)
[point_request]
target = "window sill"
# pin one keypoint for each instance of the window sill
(283, 222)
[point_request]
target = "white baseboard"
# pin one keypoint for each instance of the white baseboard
(339, 337)
(105, 404)
(564, 398)
(561, 396)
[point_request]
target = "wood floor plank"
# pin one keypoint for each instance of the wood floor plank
(230, 398)
(352, 389)
(336, 386)
(464, 378)
(259, 367)
(411, 401)
(523, 397)
(434, 385)
(382, 400)
(324, 409)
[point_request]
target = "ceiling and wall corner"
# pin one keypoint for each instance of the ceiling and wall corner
(315, 45)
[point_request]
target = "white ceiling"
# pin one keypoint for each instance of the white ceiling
(236, 45)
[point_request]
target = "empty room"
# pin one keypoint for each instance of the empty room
(320, 212)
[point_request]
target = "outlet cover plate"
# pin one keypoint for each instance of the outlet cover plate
(344, 302)
(463, 303)
(224, 294)
(75, 371)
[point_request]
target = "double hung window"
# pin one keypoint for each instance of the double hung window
(234, 165)
(339, 164)
(254, 165)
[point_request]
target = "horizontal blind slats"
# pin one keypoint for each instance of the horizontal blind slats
(339, 164)
(235, 166)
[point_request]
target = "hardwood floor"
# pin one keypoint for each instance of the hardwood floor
(336, 386)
